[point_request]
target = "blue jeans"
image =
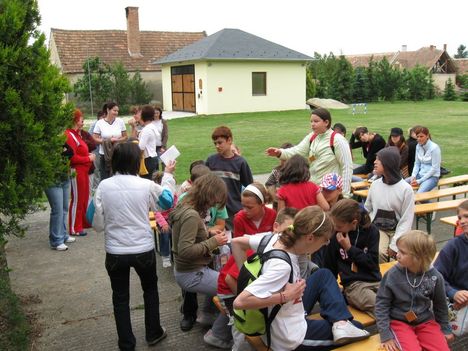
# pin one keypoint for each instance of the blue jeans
(118, 269)
(427, 185)
(321, 286)
(165, 239)
(58, 196)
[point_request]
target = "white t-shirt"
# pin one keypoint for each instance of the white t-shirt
(289, 327)
(109, 130)
(158, 125)
(148, 137)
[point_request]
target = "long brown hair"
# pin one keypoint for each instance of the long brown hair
(310, 220)
(206, 191)
(347, 210)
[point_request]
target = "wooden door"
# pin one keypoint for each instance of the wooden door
(183, 88)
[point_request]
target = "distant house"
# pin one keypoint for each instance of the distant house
(134, 48)
(462, 65)
(233, 71)
(438, 62)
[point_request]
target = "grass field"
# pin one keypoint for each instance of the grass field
(254, 132)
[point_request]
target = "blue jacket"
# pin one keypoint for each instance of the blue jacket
(452, 263)
(427, 161)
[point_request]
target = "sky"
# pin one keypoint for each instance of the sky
(339, 26)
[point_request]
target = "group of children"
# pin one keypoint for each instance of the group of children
(400, 301)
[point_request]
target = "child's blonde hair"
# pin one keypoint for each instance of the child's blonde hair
(310, 220)
(421, 246)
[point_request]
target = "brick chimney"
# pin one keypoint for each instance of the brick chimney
(445, 47)
(133, 32)
(432, 47)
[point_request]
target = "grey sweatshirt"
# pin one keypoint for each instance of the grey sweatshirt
(394, 300)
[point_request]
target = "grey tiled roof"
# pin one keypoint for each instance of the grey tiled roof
(233, 44)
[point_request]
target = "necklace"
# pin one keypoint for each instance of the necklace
(414, 285)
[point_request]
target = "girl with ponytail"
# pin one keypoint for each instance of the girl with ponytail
(312, 228)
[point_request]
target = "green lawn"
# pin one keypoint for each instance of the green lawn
(254, 132)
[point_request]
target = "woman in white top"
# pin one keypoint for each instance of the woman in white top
(106, 133)
(163, 133)
(290, 330)
(148, 138)
(122, 203)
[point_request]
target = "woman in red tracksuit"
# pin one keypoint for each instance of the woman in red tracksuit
(80, 164)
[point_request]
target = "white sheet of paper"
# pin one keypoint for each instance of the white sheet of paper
(170, 155)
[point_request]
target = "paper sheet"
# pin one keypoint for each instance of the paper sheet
(170, 155)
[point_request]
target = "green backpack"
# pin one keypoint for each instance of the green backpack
(258, 322)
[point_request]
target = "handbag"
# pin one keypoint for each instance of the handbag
(143, 171)
(90, 211)
(458, 320)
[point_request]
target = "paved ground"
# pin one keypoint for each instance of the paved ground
(72, 293)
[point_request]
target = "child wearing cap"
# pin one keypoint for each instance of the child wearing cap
(332, 186)
(397, 139)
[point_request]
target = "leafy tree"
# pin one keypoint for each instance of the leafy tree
(360, 85)
(388, 78)
(99, 75)
(419, 84)
(121, 86)
(372, 80)
(449, 91)
(32, 117)
(461, 52)
(139, 90)
(341, 81)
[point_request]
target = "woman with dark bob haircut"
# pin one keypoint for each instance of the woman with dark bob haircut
(122, 203)
(326, 150)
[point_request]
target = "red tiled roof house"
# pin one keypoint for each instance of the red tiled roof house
(134, 48)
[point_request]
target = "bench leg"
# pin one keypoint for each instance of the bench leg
(428, 222)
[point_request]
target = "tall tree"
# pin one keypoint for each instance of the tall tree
(449, 91)
(97, 74)
(342, 80)
(388, 78)
(461, 52)
(32, 116)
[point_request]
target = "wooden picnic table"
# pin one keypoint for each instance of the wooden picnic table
(425, 210)
(428, 195)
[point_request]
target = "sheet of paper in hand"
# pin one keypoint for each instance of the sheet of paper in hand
(170, 155)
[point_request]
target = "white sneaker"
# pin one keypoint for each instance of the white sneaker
(70, 240)
(345, 331)
(212, 340)
(166, 261)
(61, 247)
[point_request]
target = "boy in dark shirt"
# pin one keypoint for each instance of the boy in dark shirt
(230, 167)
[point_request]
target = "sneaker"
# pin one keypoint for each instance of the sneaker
(166, 261)
(212, 340)
(70, 240)
(187, 323)
(345, 331)
(61, 247)
(158, 339)
(206, 319)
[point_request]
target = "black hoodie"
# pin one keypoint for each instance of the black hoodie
(390, 159)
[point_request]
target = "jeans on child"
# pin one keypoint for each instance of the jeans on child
(165, 241)
(58, 196)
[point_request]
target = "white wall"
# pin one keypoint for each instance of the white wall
(441, 78)
(286, 84)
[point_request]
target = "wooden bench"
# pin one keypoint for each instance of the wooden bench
(428, 195)
(451, 220)
(257, 343)
(425, 210)
(360, 185)
(460, 179)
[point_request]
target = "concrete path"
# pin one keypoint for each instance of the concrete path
(73, 294)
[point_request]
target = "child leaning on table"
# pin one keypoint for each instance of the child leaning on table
(227, 279)
(411, 309)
